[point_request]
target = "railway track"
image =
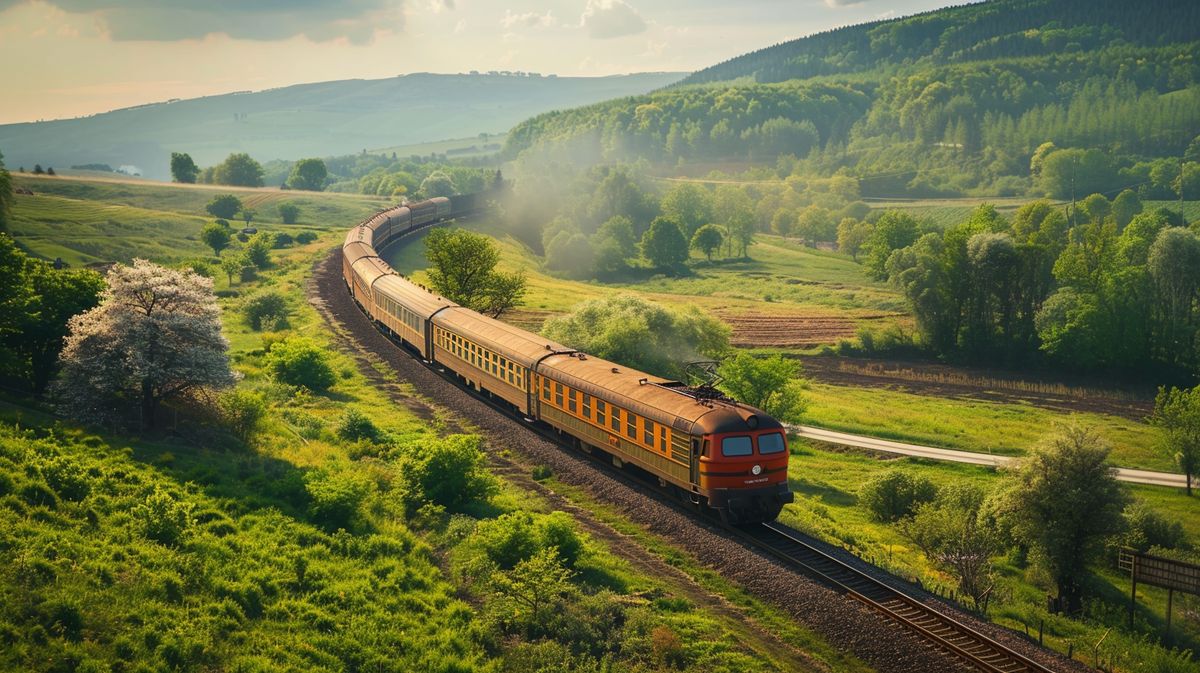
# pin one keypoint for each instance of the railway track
(939, 630)
(942, 630)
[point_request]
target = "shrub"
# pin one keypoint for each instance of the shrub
(267, 311)
(541, 473)
(300, 362)
(242, 412)
(163, 518)
(289, 213)
(894, 494)
(282, 240)
(1146, 528)
(355, 425)
(448, 471)
(224, 206)
(306, 237)
(336, 496)
(66, 477)
(258, 249)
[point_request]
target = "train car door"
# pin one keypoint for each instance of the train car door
(695, 461)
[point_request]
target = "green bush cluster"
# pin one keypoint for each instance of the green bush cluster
(446, 471)
(894, 494)
(266, 311)
(299, 361)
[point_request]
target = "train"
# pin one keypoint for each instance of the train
(708, 450)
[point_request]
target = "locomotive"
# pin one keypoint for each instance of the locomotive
(709, 450)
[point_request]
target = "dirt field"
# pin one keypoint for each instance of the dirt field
(940, 380)
(764, 330)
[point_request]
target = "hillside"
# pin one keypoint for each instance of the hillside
(950, 102)
(321, 119)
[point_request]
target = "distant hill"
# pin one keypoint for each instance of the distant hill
(951, 102)
(980, 31)
(322, 119)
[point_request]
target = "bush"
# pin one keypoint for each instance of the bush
(336, 496)
(306, 237)
(267, 311)
(224, 206)
(242, 413)
(163, 518)
(1146, 528)
(289, 213)
(282, 240)
(355, 425)
(894, 494)
(448, 471)
(66, 477)
(258, 249)
(300, 362)
(514, 537)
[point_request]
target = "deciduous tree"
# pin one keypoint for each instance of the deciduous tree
(663, 244)
(1062, 501)
(708, 239)
(183, 169)
(224, 206)
(1177, 412)
(773, 384)
(956, 535)
(464, 271)
(155, 336)
(216, 237)
(308, 174)
(239, 170)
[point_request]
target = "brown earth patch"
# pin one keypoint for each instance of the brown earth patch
(754, 330)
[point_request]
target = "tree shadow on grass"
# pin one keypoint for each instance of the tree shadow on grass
(828, 495)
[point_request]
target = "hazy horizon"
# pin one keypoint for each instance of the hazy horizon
(111, 54)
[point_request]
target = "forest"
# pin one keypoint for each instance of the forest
(936, 108)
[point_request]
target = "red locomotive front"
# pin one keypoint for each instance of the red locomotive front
(744, 464)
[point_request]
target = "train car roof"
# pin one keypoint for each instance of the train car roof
(513, 343)
(370, 269)
(360, 234)
(381, 218)
(414, 297)
(356, 251)
(662, 400)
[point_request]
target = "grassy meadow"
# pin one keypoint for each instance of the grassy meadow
(261, 580)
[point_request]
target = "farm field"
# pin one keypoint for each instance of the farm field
(817, 299)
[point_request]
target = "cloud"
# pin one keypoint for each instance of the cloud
(606, 19)
(530, 19)
(833, 4)
(357, 21)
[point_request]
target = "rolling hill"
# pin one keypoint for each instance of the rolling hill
(321, 119)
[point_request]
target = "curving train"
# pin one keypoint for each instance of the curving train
(707, 449)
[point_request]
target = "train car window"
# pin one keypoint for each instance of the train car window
(571, 401)
(558, 395)
(737, 446)
(648, 432)
(616, 419)
(600, 412)
(545, 390)
(771, 443)
(631, 425)
(587, 405)
(662, 438)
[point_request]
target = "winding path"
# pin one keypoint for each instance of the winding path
(952, 455)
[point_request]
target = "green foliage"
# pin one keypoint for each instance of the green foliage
(308, 174)
(257, 250)
(955, 533)
(243, 413)
(773, 384)
(689, 205)
(299, 361)
(570, 254)
(613, 244)
(1145, 529)
(266, 311)
(6, 195)
(289, 213)
(163, 517)
(637, 333)
(216, 237)
(449, 472)
(464, 271)
(1062, 501)
(895, 494)
(663, 244)
(337, 495)
(1177, 412)
(306, 237)
(438, 184)
(534, 590)
(224, 206)
(893, 231)
(356, 426)
(708, 239)
(183, 169)
(238, 170)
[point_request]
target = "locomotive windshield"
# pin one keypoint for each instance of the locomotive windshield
(737, 446)
(770, 443)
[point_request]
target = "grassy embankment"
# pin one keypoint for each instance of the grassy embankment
(832, 286)
(259, 582)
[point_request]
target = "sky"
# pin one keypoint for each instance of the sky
(69, 58)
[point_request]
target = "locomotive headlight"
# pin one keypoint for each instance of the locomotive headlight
(756, 470)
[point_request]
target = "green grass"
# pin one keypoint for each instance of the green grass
(973, 425)
(826, 484)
